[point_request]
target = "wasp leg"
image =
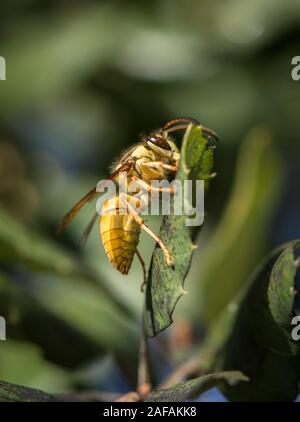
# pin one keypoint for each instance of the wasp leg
(160, 164)
(144, 270)
(150, 188)
(144, 226)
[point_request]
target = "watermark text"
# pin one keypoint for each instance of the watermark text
(296, 68)
(2, 328)
(129, 195)
(2, 69)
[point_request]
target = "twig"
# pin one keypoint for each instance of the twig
(143, 378)
(129, 397)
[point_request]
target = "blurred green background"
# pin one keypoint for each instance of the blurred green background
(84, 79)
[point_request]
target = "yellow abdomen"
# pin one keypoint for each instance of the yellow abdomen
(119, 235)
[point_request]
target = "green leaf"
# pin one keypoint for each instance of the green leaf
(85, 323)
(18, 393)
(20, 244)
(62, 289)
(81, 307)
(165, 284)
(259, 342)
(189, 390)
(43, 59)
(239, 241)
(24, 363)
(281, 291)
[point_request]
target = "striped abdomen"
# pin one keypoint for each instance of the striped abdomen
(119, 235)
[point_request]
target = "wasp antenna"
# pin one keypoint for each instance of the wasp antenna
(181, 123)
(172, 125)
(208, 133)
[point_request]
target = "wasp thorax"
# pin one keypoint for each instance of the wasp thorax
(159, 140)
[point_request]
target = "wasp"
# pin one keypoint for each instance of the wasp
(155, 157)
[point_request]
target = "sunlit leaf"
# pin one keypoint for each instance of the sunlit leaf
(23, 363)
(238, 242)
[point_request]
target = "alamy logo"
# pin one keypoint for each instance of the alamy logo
(296, 329)
(130, 195)
(2, 328)
(2, 69)
(296, 69)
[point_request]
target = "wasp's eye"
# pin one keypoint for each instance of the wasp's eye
(159, 141)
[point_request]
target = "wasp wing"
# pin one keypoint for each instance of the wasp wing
(68, 218)
(88, 230)
(77, 207)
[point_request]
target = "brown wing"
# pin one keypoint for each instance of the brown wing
(68, 218)
(77, 207)
(88, 230)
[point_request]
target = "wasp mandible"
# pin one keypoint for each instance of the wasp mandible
(156, 157)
